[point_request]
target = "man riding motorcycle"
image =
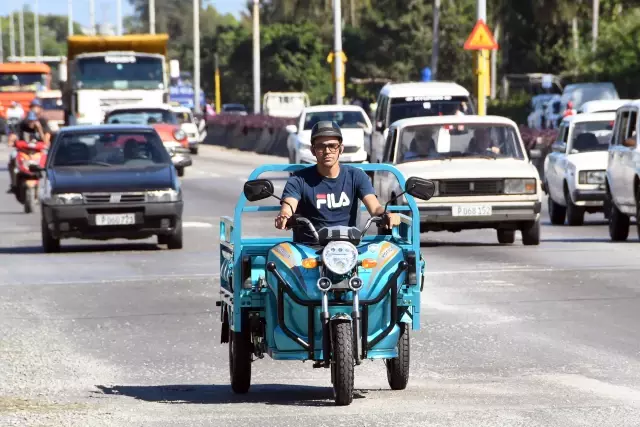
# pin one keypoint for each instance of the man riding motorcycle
(326, 192)
(29, 129)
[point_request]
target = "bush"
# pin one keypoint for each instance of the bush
(516, 107)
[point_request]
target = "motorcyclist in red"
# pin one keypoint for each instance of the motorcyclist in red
(29, 129)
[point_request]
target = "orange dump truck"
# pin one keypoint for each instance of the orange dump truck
(20, 82)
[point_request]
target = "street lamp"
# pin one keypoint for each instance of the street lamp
(256, 56)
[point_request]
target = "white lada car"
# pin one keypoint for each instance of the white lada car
(353, 122)
(483, 175)
(575, 170)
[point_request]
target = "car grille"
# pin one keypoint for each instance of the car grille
(476, 187)
(350, 149)
(104, 198)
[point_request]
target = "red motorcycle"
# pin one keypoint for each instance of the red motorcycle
(29, 153)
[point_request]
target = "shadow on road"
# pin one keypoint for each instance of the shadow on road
(132, 247)
(270, 394)
(434, 244)
(580, 240)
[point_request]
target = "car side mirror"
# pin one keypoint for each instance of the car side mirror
(535, 153)
(385, 134)
(379, 126)
(292, 128)
(420, 188)
(629, 142)
(559, 147)
(258, 189)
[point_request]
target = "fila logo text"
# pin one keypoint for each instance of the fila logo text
(330, 201)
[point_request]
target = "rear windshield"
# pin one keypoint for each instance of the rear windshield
(421, 106)
(108, 149)
(139, 116)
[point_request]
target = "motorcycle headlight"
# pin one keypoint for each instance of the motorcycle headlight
(163, 196)
(520, 186)
(592, 177)
(67, 199)
(179, 134)
(340, 257)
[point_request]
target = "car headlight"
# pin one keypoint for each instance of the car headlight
(592, 177)
(179, 134)
(66, 199)
(340, 257)
(163, 196)
(520, 186)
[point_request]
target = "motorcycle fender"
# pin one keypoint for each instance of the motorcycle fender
(340, 317)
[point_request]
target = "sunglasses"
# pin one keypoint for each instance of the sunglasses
(330, 148)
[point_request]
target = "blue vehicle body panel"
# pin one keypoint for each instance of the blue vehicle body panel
(388, 251)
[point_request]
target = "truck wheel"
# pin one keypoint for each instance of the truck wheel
(174, 241)
(342, 363)
(398, 368)
(618, 224)
(557, 212)
(531, 233)
(180, 171)
(240, 361)
(506, 237)
(49, 244)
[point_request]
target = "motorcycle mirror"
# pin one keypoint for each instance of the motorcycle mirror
(258, 189)
(420, 188)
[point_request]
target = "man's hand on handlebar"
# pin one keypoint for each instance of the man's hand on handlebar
(281, 222)
(390, 220)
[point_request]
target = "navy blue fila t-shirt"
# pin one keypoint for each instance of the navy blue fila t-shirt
(327, 202)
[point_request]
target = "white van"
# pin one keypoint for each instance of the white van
(398, 101)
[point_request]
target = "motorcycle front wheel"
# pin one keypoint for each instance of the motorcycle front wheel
(29, 199)
(342, 363)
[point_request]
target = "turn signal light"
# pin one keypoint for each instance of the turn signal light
(369, 263)
(310, 263)
(530, 187)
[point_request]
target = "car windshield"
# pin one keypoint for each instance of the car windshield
(184, 117)
(120, 72)
(422, 106)
(590, 92)
(22, 82)
(592, 136)
(434, 142)
(344, 119)
(109, 149)
(139, 116)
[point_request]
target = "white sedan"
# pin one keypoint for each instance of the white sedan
(483, 176)
(575, 170)
(353, 121)
(188, 125)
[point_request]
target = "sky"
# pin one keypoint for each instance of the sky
(105, 9)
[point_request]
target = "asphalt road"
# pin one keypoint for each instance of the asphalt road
(123, 333)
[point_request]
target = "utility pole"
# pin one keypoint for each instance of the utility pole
(482, 64)
(217, 83)
(256, 56)
(70, 17)
(1, 43)
(36, 23)
(337, 50)
(119, 16)
(196, 57)
(436, 40)
(12, 36)
(21, 21)
(594, 25)
(92, 16)
(152, 16)
(494, 65)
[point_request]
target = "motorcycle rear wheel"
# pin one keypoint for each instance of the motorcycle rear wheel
(398, 368)
(240, 361)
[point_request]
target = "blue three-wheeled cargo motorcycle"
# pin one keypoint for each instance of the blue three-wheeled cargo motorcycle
(347, 298)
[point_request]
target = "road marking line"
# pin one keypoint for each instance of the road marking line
(529, 270)
(594, 386)
(197, 225)
(122, 279)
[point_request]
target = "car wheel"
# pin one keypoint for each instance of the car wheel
(618, 224)
(557, 212)
(180, 171)
(506, 237)
(163, 239)
(174, 241)
(49, 243)
(531, 233)
(575, 214)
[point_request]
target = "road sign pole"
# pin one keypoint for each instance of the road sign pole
(217, 82)
(482, 80)
(481, 40)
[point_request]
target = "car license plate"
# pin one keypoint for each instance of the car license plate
(471, 210)
(116, 219)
